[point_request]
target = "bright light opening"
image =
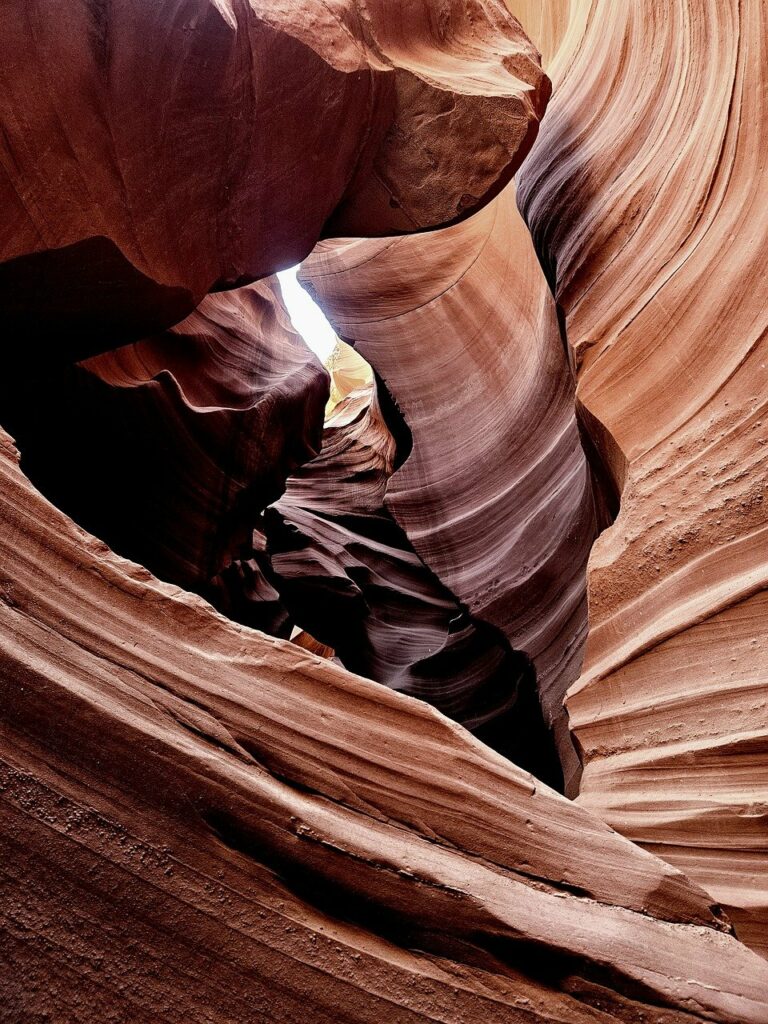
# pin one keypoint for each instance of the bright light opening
(351, 376)
(307, 317)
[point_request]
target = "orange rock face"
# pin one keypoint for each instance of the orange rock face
(151, 155)
(657, 256)
(204, 823)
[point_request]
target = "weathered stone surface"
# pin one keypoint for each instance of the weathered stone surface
(348, 573)
(646, 202)
(152, 152)
(201, 822)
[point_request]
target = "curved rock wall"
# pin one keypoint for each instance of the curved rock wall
(350, 576)
(150, 153)
(645, 197)
(169, 449)
(201, 822)
(496, 495)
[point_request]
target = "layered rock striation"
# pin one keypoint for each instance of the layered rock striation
(496, 494)
(200, 821)
(645, 199)
(348, 574)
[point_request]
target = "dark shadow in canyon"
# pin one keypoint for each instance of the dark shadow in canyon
(87, 296)
(113, 471)
(350, 577)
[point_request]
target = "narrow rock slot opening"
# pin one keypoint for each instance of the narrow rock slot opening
(272, 505)
(351, 577)
(223, 456)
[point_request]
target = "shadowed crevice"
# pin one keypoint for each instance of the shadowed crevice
(76, 301)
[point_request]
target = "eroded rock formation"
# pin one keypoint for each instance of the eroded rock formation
(348, 573)
(152, 154)
(657, 257)
(201, 822)
(170, 448)
(496, 495)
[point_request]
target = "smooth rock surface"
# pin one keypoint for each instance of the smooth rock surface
(657, 255)
(203, 823)
(496, 495)
(348, 574)
(153, 152)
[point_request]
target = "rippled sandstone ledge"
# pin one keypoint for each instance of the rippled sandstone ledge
(221, 824)
(657, 258)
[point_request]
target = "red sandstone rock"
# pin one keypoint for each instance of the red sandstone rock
(171, 448)
(658, 259)
(203, 823)
(151, 153)
(496, 495)
(348, 573)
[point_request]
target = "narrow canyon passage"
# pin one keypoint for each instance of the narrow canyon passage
(408, 666)
(202, 508)
(496, 495)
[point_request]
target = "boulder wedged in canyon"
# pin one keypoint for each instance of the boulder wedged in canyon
(496, 494)
(152, 153)
(222, 826)
(646, 198)
(169, 449)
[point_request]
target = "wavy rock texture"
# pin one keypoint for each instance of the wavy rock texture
(646, 200)
(496, 495)
(170, 449)
(271, 123)
(547, 22)
(348, 574)
(203, 823)
(222, 826)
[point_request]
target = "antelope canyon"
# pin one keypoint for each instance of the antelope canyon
(383, 562)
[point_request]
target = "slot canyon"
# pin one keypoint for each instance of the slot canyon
(384, 547)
